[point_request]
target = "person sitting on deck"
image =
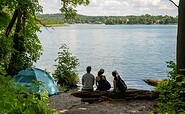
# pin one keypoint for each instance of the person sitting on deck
(119, 84)
(88, 80)
(101, 81)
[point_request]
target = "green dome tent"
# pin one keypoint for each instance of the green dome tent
(28, 77)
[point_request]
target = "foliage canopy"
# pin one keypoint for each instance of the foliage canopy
(172, 93)
(20, 46)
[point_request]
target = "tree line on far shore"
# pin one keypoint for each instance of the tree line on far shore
(49, 19)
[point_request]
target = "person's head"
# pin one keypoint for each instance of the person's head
(88, 69)
(114, 73)
(100, 72)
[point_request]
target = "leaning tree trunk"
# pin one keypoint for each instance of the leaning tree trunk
(181, 38)
(16, 63)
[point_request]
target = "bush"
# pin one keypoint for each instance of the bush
(172, 93)
(13, 101)
(65, 72)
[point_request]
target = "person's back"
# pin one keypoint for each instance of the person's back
(101, 81)
(88, 80)
(119, 84)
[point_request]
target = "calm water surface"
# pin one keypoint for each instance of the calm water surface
(137, 52)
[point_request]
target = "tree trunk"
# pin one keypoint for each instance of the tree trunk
(12, 22)
(181, 39)
(15, 62)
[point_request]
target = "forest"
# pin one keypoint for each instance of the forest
(108, 20)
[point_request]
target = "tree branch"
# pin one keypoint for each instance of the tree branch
(174, 3)
(43, 23)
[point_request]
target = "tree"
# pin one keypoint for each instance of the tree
(65, 72)
(20, 45)
(180, 57)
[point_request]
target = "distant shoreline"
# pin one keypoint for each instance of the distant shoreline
(64, 25)
(53, 25)
(108, 20)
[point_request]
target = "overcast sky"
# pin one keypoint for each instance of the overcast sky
(117, 7)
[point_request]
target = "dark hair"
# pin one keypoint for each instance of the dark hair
(114, 73)
(88, 69)
(100, 72)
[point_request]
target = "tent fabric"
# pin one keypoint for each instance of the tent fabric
(26, 78)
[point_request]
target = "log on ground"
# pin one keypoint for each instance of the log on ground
(129, 94)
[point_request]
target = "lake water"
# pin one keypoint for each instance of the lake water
(137, 52)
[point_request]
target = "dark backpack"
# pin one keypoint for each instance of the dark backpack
(103, 84)
(121, 84)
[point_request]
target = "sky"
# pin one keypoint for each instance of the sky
(117, 7)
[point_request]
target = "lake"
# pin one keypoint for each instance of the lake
(137, 52)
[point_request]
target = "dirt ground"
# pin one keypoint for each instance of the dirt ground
(68, 104)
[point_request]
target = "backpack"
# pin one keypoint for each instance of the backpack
(103, 84)
(121, 84)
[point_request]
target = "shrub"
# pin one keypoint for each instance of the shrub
(65, 72)
(172, 93)
(13, 101)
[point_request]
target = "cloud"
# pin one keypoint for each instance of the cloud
(50, 6)
(146, 3)
(117, 7)
(154, 7)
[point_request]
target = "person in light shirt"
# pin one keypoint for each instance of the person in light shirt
(88, 80)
